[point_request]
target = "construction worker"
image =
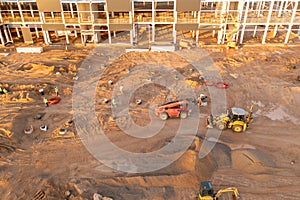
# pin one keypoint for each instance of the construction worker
(56, 90)
(204, 191)
(4, 90)
(113, 103)
(202, 79)
(202, 100)
(121, 89)
(46, 102)
(42, 91)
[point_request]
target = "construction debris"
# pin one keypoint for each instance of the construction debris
(97, 196)
(29, 130)
(44, 128)
(63, 131)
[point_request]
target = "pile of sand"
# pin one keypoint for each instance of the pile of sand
(35, 70)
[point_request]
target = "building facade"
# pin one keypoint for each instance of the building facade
(226, 20)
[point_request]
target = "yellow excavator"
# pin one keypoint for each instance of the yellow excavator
(231, 37)
(236, 119)
(207, 192)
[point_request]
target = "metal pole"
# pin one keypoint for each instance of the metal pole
(291, 23)
(245, 22)
(45, 37)
(48, 37)
(198, 21)
(275, 30)
(254, 32)
(9, 34)
(268, 22)
(1, 38)
(174, 24)
(153, 21)
(6, 34)
(18, 33)
(21, 13)
(71, 9)
(67, 37)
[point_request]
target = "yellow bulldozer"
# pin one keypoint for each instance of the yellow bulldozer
(207, 192)
(236, 119)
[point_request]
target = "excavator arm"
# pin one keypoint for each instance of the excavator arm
(234, 190)
(249, 117)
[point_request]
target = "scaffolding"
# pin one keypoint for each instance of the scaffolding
(226, 20)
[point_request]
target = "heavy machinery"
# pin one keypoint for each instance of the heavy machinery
(236, 119)
(231, 36)
(207, 192)
(173, 109)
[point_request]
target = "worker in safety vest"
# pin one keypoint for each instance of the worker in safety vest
(46, 102)
(56, 90)
(4, 90)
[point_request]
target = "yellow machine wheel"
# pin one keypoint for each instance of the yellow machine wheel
(237, 128)
(221, 126)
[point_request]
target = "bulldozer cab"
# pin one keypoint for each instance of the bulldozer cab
(206, 189)
(238, 119)
(237, 114)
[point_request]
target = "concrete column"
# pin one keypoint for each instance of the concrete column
(109, 37)
(37, 32)
(82, 39)
(18, 33)
(174, 35)
(220, 36)
(1, 38)
(245, 21)
(67, 37)
(20, 11)
(9, 33)
(134, 35)
(197, 36)
(280, 9)
(153, 21)
(45, 37)
(254, 32)
(153, 32)
(31, 10)
(275, 30)
(268, 22)
(197, 32)
(11, 11)
(131, 37)
(48, 37)
(71, 9)
(75, 33)
(6, 34)
(175, 22)
(131, 31)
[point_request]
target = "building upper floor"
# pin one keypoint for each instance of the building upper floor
(104, 12)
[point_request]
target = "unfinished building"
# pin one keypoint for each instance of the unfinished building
(96, 21)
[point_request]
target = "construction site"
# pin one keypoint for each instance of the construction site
(149, 100)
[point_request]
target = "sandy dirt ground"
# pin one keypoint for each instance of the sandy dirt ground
(263, 162)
